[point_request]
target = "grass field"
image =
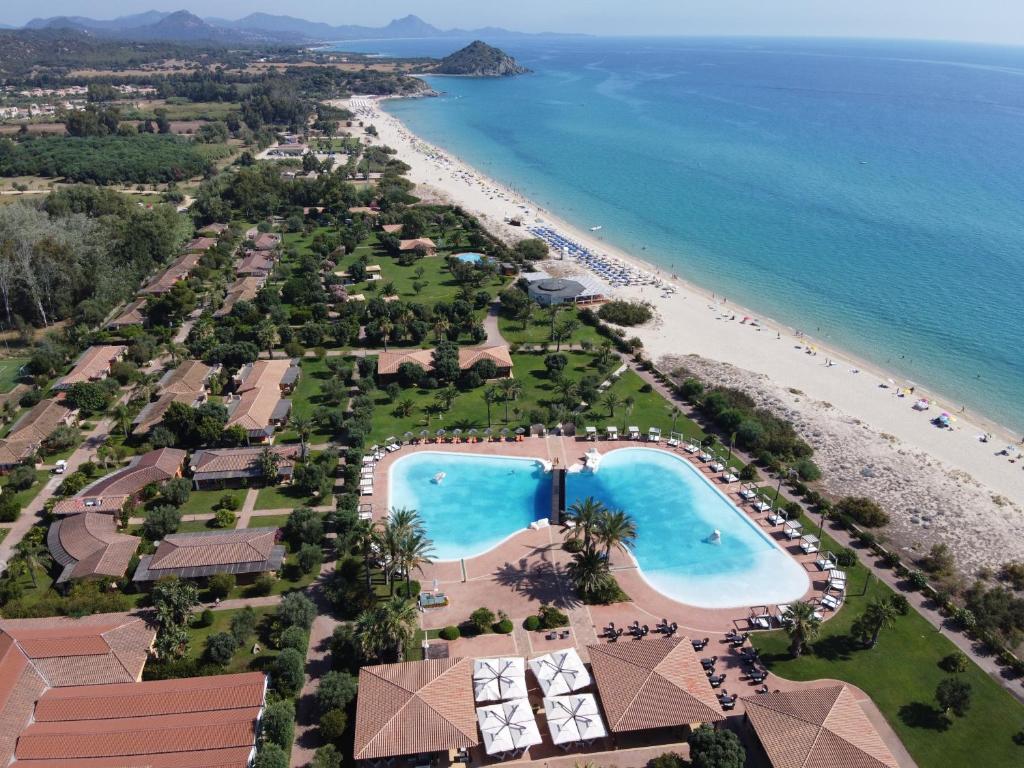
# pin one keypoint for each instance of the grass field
(306, 398)
(265, 521)
(9, 368)
(244, 660)
(203, 502)
(285, 497)
(538, 329)
(901, 674)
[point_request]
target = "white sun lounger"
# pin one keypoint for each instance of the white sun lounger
(826, 561)
(692, 447)
(717, 467)
(831, 602)
(777, 517)
(730, 478)
(763, 506)
(748, 494)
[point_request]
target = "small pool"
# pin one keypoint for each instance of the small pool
(471, 258)
(676, 509)
(481, 501)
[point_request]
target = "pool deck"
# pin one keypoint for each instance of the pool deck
(528, 569)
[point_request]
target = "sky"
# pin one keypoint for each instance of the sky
(999, 21)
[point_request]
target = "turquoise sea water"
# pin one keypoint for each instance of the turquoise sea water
(481, 501)
(868, 193)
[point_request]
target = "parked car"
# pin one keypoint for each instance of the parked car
(60, 467)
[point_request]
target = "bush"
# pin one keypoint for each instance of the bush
(220, 585)
(900, 603)
(504, 627)
(532, 623)
(220, 648)
(304, 526)
(296, 610)
(890, 559)
(572, 546)
(862, 511)
(243, 624)
(22, 477)
(410, 590)
(294, 637)
(278, 725)
(917, 580)
(160, 522)
(224, 518)
(176, 491)
(712, 748)
(625, 312)
(271, 756)
(749, 474)
(449, 633)
(229, 502)
(9, 508)
(668, 760)
(846, 557)
(205, 618)
(262, 586)
(808, 470)
(955, 662)
(482, 619)
(551, 617)
(336, 691)
(332, 725)
(288, 674)
(310, 557)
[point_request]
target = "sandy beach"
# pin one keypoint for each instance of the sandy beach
(938, 484)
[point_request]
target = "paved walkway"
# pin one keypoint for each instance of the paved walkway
(245, 513)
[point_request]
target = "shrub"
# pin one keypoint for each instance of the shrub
(668, 760)
(9, 508)
(900, 603)
(287, 673)
(573, 546)
(504, 627)
(279, 723)
(205, 618)
(862, 511)
(890, 559)
(220, 648)
(310, 557)
(410, 590)
(846, 557)
(792, 510)
(229, 502)
(749, 473)
(867, 538)
(955, 662)
(712, 748)
(160, 522)
(482, 619)
(336, 691)
(938, 561)
(294, 637)
(176, 491)
(449, 633)
(625, 312)
(332, 725)
(243, 624)
(22, 478)
(296, 610)
(270, 756)
(808, 470)
(224, 518)
(551, 617)
(917, 580)
(532, 623)
(262, 586)
(220, 585)
(964, 617)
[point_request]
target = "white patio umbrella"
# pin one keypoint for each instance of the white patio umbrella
(574, 718)
(499, 679)
(560, 672)
(509, 726)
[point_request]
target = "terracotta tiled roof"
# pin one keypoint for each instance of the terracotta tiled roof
(266, 241)
(816, 728)
(185, 723)
(188, 378)
(92, 364)
(243, 289)
(418, 706)
(13, 452)
(417, 243)
(153, 467)
(255, 263)
(44, 417)
(392, 229)
(216, 228)
(654, 683)
(498, 354)
(89, 545)
(388, 362)
(258, 393)
(234, 463)
(20, 685)
(130, 315)
(245, 545)
(153, 413)
(201, 244)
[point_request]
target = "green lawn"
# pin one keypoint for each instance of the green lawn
(25, 497)
(900, 674)
(306, 398)
(203, 502)
(243, 660)
(469, 409)
(265, 521)
(285, 497)
(538, 329)
(9, 368)
(649, 409)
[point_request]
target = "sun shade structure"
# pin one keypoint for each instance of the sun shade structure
(653, 683)
(499, 679)
(415, 707)
(573, 718)
(508, 727)
(196, 555)
(816, 727)
(560, 672)
(186, 723)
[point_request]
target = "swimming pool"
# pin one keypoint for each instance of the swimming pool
(676, 509)
(481, 501)
(472, 258)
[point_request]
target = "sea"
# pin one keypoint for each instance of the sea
(868, 193)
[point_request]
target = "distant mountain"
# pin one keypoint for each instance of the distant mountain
(478, 59)
(256, 27)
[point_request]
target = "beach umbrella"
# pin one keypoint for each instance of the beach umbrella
(560, 672)
(456, 431)
(500, 678)
(504, 431)
(407, 436)
(471, 432)
(488, 431)
(424, 433)
(440, 433)
(573, 718)
(508, 727)
(520, 430)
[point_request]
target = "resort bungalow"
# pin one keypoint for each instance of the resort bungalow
(130, 315)
(265, 241)
(815, 726)
(213, 230)
(185, 384)
(30, 431)
(233, 467)
(89, 546)
(389, 362)
(92, 365)
(653, 683)
(391, 229)
(109, 494)
(244, 552)
(201, 244)
(423, 244)
(418, 708)
(71, 696)
(256, 404)
(243, 289)
(179, 270)
(256, 264)
(547, 291)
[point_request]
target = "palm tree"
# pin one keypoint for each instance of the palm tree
(510, 389)
(568, 391)
(584, 515)
(879, 615)
(491, 396)
(303, 425)
(176, 352)
(365, 538)
(405, 408)
(629, 403)
(523, 314)
(415, 552)
(445, 397)
(35, 555)
(441, 327)
(564, 332)
(553, 312)
(613, 401)
(122, 417)
(803, 626)
(674, 413)
(385, 629)
(588, 572)
(386, 328)
(615, 530)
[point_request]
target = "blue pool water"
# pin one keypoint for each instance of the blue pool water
(676, 510)
(481, 501)
(472, 258)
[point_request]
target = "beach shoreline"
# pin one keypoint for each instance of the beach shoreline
(693, 321)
